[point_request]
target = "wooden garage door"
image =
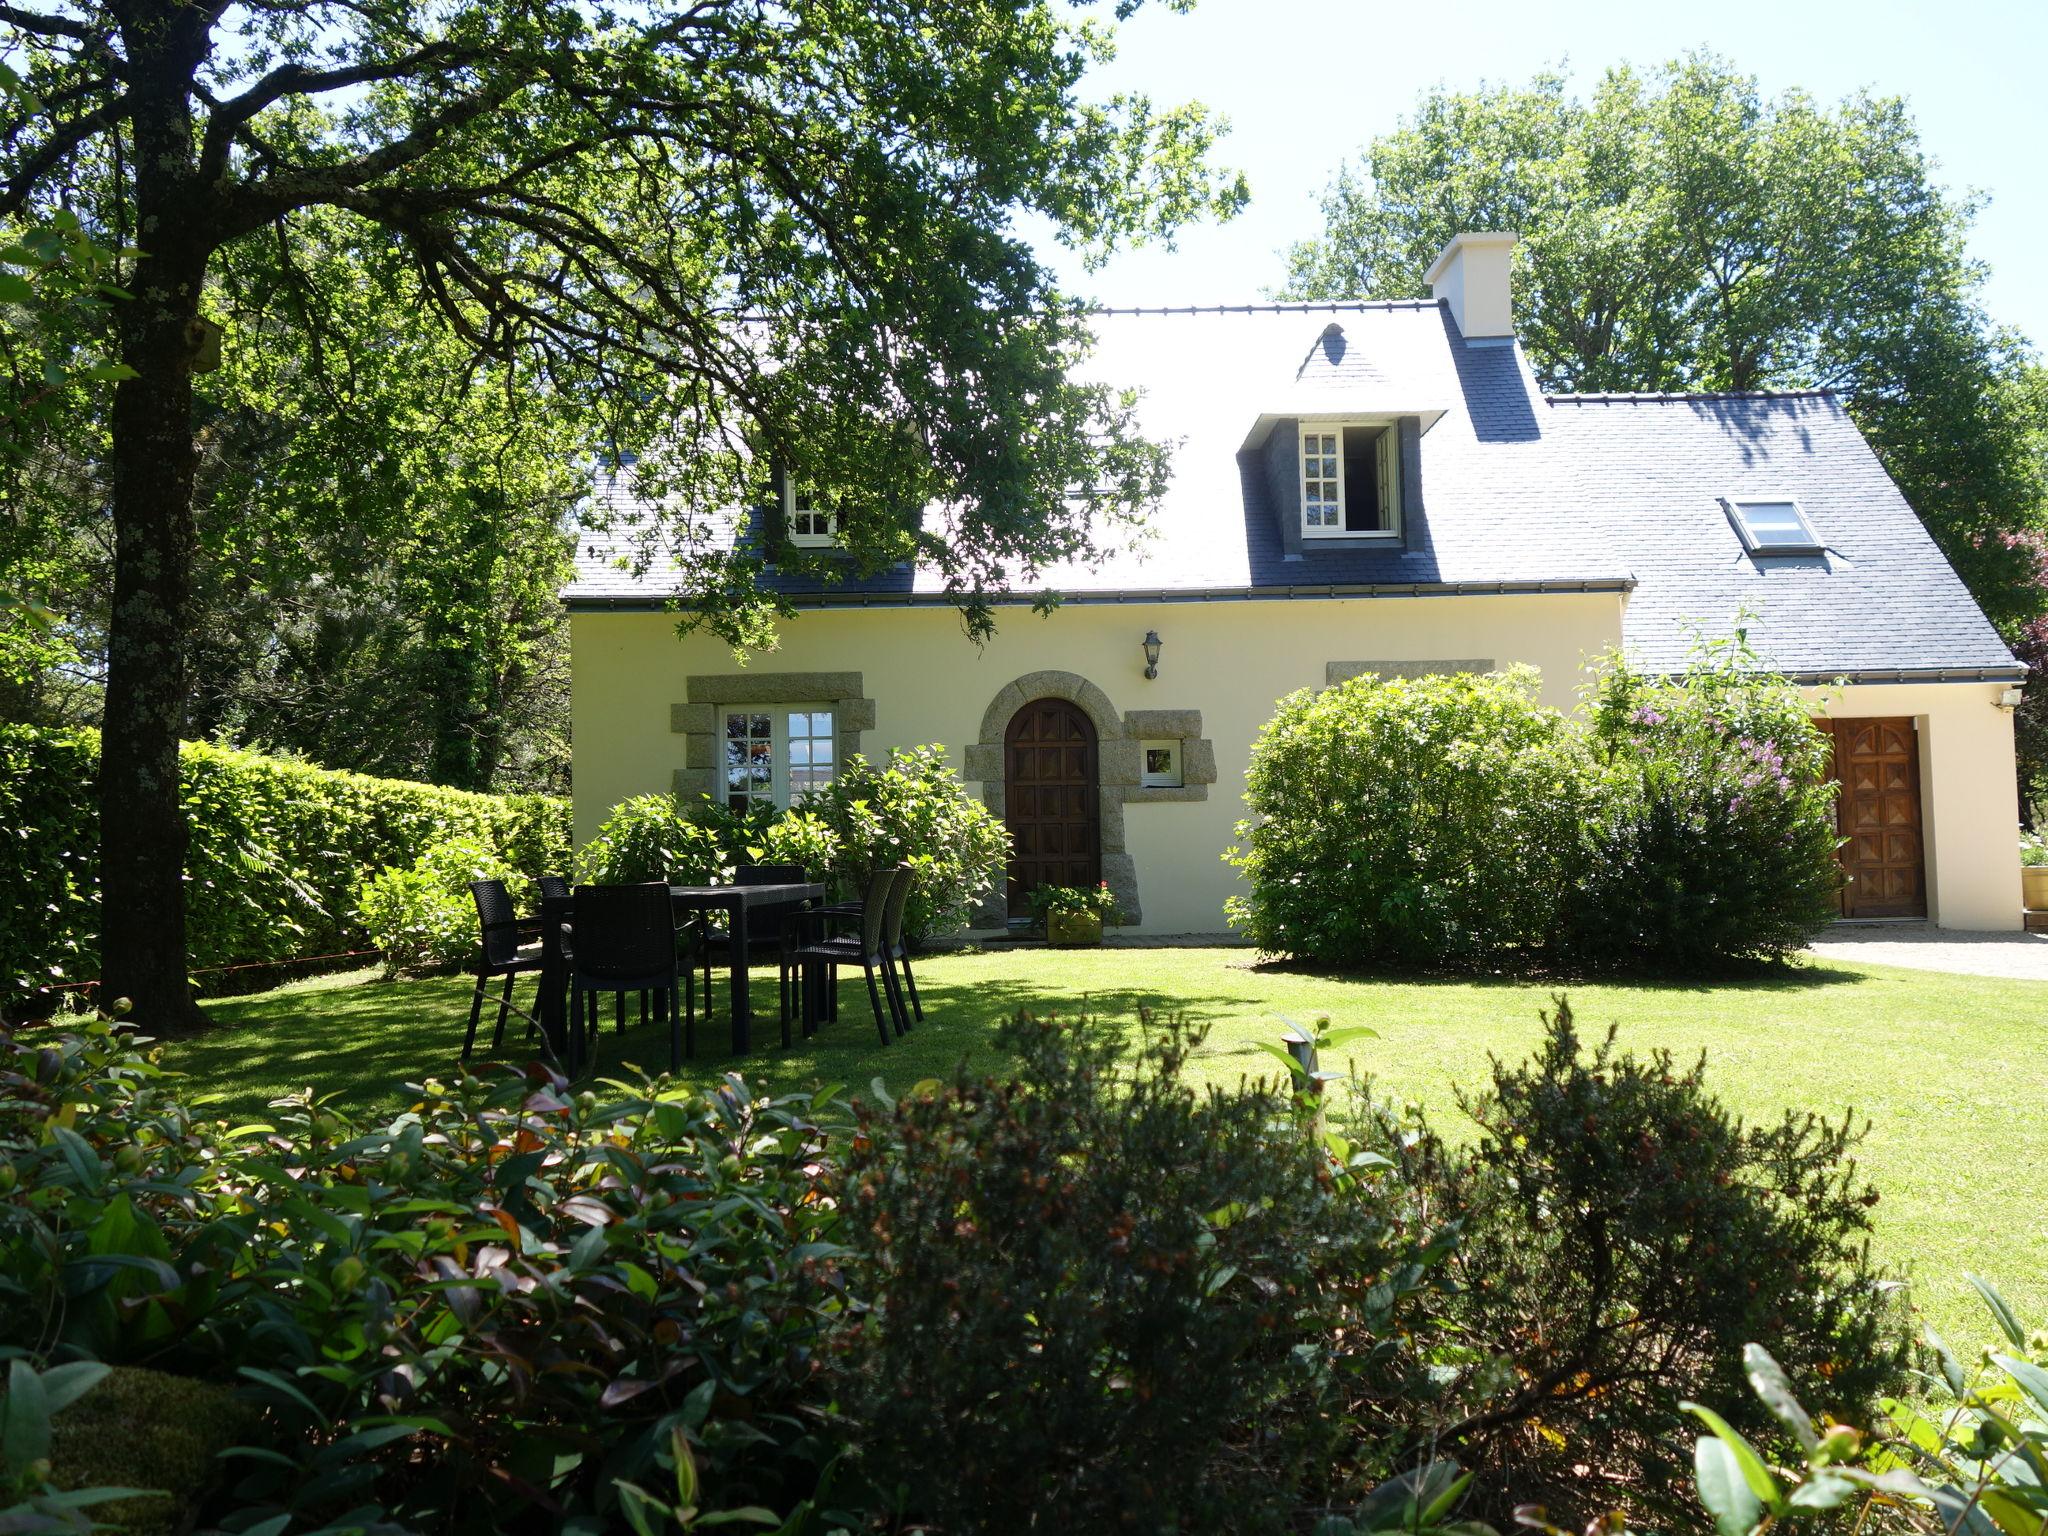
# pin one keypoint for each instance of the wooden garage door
(1049, 799)
(1878, 764)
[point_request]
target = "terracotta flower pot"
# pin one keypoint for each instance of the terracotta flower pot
(2034, 886)
(1073, 930)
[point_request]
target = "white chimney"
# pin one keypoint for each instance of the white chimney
(1471, 274)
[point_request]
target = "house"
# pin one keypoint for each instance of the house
(1357, 487)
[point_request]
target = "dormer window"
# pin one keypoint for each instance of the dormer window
(1350, 479)
(809, 523)
(1773, 525)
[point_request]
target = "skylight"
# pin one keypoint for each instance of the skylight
(1773, 525)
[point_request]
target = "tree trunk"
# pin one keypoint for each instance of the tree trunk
(151, 467)
(142, 827)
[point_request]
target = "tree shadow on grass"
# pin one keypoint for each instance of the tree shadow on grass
(1752, 976)
(364, 1041)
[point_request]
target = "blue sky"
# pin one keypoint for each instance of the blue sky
(1306, 83)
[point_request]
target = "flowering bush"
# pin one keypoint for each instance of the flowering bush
(1712, 833)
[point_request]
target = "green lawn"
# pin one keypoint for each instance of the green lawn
(1951, 1070)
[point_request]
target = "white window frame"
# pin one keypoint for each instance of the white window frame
(1171, 777)
(779, 747)
(809, 539)
(1738, 514)
(1387, 459)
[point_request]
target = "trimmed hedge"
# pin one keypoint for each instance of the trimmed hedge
(277, 850)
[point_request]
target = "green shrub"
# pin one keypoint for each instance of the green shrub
(1969, 1453)
(1105, 1300)
(1712, 833)
(278, 851)
(913, 809)
(425, 915)
(1415, 822)
(1623, 1237)
(514, 1303)
(653, 837)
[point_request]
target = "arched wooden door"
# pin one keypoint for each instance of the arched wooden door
(1049, 795)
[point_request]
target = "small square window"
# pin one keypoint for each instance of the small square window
(808, 523)
(1772, 525)
(1161, 766)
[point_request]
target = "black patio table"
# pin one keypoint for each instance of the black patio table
(736, 901)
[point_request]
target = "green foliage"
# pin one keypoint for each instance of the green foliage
(2033, 850)
(913, 810)
(1682, 231)
(1070, 899)
(1972, 1454)
(1455, 822)
(1409, 821)
(424, 914)
(910, 810)
(655, 837)
(1711, 836)
(1103, 1299)
(513, 1298)
(1623, 1237)
(277, 851)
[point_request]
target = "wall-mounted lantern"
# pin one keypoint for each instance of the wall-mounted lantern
(1151, 653)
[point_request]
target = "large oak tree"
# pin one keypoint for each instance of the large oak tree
(724, 233)
(1683, 231)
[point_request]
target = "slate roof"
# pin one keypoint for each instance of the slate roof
(1520, 492)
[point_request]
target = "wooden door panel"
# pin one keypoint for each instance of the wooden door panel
(1877, 763)
(1050, 800)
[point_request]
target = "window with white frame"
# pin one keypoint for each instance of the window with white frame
(775, 754)
(1350, 479)
(1773, 525)
(809, 523)
(1160, 767)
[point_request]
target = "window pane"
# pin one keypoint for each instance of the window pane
(760, 726)
(821, 752)
(799, 754)
(736, 726)
(1775, 523)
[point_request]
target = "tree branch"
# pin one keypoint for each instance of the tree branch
(21, 185)
(48, 26)
(297, 80)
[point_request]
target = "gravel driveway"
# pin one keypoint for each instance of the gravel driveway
(2022, 956)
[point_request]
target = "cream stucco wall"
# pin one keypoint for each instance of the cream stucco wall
(1231, 661)
(929, 683)
(1969, 808)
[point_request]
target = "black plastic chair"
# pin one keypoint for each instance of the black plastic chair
(624, 940)
(552, 887)
(498, 953)
(868, 951)
(893, 947)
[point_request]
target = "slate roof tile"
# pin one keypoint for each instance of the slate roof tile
(1518, 490)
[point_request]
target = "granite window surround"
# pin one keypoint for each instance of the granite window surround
(695, 719)
(1119, 765)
